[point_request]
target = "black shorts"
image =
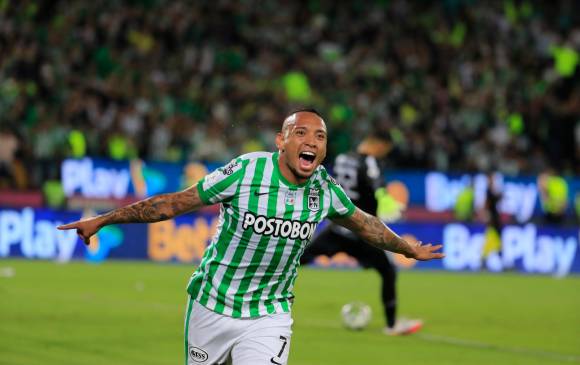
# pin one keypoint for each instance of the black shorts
(334, 239)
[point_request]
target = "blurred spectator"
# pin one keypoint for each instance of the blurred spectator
(8, 146)
(211, 145)
(553, 190)
(464, 208)
(458, 83)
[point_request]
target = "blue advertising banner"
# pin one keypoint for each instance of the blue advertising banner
(31, 233)
(436, 191)
(107, 179)
(524, 248)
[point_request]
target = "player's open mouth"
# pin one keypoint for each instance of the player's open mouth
(306, 159)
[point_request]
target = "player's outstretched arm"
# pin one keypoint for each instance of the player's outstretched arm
(154, 209)
(375, 232)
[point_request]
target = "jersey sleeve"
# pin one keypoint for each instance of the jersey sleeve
(340, 204)
(222, 183)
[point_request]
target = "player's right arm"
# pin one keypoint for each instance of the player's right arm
(211, 189)
(154, 209)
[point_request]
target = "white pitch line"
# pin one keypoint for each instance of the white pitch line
(486, 346)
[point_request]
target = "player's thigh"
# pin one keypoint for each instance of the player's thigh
(209, 337)
(266, 343)
(265, 350)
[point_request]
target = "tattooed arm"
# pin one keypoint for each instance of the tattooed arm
(157, 208)
(374, 231)
(154, 209)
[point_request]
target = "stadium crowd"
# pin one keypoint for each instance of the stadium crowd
(459, 85)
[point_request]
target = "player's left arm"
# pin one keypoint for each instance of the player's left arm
(375, 232)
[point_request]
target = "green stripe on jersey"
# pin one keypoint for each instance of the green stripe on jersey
(344, 201)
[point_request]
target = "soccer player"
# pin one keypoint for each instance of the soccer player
(359, 175)
(240, 296)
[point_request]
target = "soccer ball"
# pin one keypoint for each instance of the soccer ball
(356, 315)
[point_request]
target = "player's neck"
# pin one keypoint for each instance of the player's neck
(287, 172)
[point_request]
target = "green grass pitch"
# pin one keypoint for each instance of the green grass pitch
(132, 313)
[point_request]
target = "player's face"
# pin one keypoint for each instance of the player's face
(302, 146)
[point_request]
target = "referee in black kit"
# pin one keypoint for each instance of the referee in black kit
(360, 176)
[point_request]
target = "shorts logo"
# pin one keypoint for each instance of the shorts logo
(278, 227)
(196, 354)
(313, 200)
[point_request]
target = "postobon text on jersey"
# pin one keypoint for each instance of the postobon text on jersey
(278, 227)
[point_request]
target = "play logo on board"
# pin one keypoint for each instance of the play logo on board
(24, 232)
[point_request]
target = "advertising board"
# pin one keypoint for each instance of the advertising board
(32, 234)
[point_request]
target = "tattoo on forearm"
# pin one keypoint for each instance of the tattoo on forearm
(372, 230)
(157, 208)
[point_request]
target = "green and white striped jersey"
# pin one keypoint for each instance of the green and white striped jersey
(265, 223)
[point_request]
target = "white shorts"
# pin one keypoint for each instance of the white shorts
(212, 338)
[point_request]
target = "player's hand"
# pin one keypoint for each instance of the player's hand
(85, 228)
(427, 252)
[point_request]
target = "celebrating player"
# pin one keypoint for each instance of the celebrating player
(240, 296)
(360, 176)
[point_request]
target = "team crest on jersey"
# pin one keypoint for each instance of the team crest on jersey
(313, 200)
(290, 197)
